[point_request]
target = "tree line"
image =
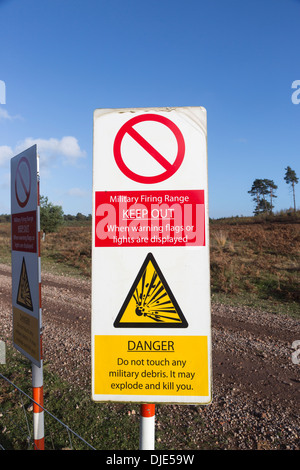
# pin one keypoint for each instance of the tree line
(263, 192)
(52, 216)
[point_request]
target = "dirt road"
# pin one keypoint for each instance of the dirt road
(255, 382)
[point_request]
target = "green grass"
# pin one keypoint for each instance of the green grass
(101, 425)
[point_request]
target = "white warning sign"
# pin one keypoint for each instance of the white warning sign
(151, 330)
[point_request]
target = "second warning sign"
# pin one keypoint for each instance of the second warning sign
(25, 255)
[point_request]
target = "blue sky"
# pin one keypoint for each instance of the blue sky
(61, 59)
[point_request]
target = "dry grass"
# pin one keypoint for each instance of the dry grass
(5, 243)
(257, 259)
(70, 247)
(220, 237)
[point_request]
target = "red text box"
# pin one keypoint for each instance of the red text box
(149, 218)
(24, 233)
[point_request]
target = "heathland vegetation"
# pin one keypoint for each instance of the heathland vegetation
(255, 261)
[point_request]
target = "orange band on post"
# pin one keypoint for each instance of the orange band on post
(147, 410)
(39, 444)
(38, 397)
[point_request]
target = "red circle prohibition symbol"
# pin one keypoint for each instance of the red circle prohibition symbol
(169, 168)
(26, 188)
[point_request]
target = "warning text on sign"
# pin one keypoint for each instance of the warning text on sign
(26, 332)
(24, 233)
(149, 218)
(176, 367)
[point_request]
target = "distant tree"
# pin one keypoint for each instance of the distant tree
(68, 217)
(291, 178)
(80, 217)
(261, 188)
(271, 188)
(262, 207)
(5, 218)
(258, 191)
(51, 216)
(255, 191)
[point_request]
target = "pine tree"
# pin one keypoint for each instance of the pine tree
(258, 191)
(271, 188)
(291, 178)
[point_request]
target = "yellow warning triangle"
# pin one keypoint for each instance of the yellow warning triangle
(150, 302)
(24, 295)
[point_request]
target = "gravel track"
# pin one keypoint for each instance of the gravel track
(255, 382)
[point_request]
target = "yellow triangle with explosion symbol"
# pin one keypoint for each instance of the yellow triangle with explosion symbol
(24, 295)
(150, 302)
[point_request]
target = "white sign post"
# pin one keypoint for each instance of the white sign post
(151, 333)
(26, 273)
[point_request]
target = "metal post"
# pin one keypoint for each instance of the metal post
(147, 427)
(37, 372)
(38, 412)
